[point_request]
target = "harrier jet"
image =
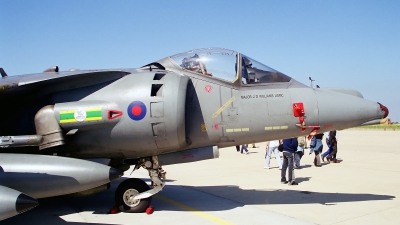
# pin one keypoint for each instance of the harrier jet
(56, 127)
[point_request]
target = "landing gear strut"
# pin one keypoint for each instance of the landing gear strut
(134, 195)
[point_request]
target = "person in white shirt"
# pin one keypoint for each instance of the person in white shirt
(272, 146)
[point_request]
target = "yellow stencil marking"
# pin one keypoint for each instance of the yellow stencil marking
(223, 107)
(68, 121)
(277, 128)
(197, 212)
(92, 109)
(238, 130)
(93, 118)
(203, 127)
(67, 111)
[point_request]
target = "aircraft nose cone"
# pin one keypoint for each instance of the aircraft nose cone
(115, 174)
(24, 203)
(384, 109)
(340, 110)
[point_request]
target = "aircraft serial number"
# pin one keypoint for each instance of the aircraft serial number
(262, 96)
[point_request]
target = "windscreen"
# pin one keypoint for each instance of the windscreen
(254, 72)
(215, 62)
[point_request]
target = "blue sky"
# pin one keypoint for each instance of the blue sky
(348, 44)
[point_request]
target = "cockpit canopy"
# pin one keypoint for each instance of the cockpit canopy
(228, 65)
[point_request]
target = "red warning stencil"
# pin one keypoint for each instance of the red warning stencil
(208, 88)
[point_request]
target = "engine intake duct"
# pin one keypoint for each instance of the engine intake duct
(48, 127)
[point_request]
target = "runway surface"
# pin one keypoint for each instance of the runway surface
(235, 189)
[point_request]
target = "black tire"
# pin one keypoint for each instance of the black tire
(128, 188)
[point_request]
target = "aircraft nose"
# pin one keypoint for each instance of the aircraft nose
(341, 111)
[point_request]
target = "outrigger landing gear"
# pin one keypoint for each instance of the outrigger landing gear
(134, 195)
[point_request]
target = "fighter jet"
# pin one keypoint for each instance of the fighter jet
(75, 131)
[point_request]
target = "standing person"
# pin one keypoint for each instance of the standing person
(272, 146)
(333, 142)
(289, 148)
(316, 147)
(237, 148)
(244, 148)
(329, 146)
(299, 152)
(305, 145)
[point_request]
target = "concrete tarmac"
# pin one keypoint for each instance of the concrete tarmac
(235, 189)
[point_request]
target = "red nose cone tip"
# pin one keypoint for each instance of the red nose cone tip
(385, 109)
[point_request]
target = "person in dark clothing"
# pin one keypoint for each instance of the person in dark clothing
(244, 148)
(333, 142)
(289, 149)
(238, 148)
(316, 147)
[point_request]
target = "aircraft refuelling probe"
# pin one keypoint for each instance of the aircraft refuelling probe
(179, 109)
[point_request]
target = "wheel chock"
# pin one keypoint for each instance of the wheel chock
(114, 210)
(149, 210)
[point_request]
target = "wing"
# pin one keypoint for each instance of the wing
(50, 82)
(21, 95)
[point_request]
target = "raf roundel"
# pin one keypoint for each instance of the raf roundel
(137, 110)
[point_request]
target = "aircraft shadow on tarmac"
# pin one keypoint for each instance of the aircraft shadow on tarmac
(240, 197)
(283, 196)
(207, 198)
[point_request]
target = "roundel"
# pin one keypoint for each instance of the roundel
(137, 110)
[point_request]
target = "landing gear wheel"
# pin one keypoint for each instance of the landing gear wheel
(125, 193)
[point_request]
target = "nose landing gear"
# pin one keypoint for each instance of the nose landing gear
(134, 195)
(125, 193)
